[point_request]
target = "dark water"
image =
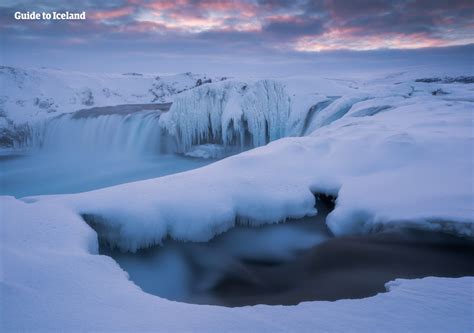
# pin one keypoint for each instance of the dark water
(192, 272)
(350, 267)
(292, 262)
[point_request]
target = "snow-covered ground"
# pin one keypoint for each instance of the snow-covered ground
(396, 149)
(32, 94)
(53, 279)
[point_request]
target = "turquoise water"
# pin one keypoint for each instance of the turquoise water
(42, 173)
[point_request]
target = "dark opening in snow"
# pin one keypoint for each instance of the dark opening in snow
(291, 262)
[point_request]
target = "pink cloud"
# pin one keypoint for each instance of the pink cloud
(110, 14)
(343, 39)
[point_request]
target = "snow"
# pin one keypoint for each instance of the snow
(208, 151)
(302, 110)
(334, 111)
(394, 152)
(32, 94)
(404, 166)
(53, 279)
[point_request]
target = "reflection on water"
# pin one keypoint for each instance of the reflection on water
(197, 272)
(292, 262)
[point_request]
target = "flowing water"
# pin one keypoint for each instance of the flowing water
(81, 152)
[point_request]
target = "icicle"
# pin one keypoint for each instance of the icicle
(230, 113)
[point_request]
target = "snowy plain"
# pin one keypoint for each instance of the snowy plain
(395, 151)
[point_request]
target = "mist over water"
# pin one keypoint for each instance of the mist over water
(69, 154)
(131, 134)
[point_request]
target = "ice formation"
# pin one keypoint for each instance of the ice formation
(232, 113)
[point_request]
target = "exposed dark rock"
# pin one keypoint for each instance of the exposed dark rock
(200, 82)
(133, 74)
(438, 92)
(45, 103)
(14, 136)
(87, 98)
(121, 109)
(457, 79)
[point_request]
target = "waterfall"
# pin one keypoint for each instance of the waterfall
(83, 151)
(133, 133)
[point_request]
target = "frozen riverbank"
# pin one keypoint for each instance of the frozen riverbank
(56, 281)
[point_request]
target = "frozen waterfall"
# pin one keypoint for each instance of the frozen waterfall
(229, 113)
(219, 119)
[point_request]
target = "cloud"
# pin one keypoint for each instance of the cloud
(110, 14)
(241, 28)
(293, 26)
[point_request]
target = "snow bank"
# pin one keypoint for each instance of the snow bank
(53, 279)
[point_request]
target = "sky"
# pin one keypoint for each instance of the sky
(232, 36)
